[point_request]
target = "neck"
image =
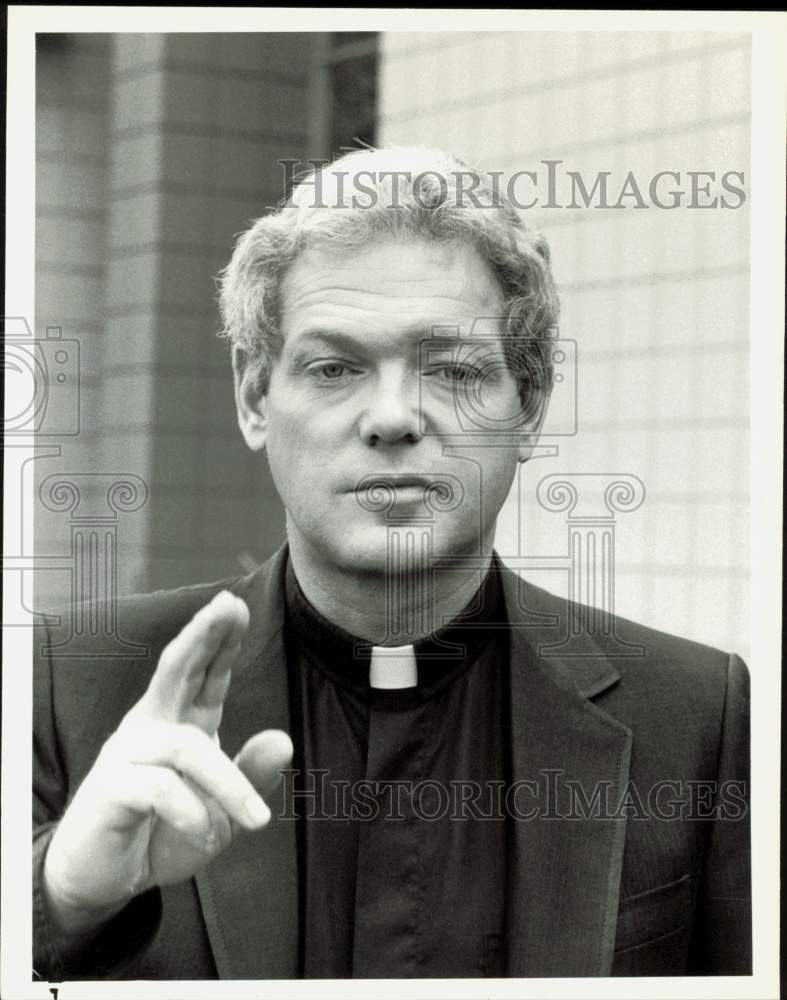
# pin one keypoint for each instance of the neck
(385, 608)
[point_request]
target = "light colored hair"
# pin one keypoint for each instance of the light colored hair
(400, 192)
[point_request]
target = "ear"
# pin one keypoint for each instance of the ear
(534, 410)
(250, 400)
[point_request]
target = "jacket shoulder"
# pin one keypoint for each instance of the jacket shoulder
(680, 698)
(655, 646)
(103, 628)
(631, 663)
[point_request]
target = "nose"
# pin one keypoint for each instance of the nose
(391, 414)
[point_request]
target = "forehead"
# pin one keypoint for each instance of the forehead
(387, 287)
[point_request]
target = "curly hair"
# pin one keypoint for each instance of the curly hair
(397, 192)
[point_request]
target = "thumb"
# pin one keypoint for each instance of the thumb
(263, 756)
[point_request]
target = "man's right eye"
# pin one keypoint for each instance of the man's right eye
(329, 371)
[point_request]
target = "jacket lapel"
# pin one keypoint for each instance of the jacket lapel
(249, 894)
(565, 872)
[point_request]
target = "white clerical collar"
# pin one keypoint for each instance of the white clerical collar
(393, 667)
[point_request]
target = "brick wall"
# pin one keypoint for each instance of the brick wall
(657, 300)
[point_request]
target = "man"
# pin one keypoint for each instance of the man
(464, 798)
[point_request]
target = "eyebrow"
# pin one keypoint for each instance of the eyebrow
(346, 341)
(333, 338)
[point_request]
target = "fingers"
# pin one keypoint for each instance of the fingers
(188, 750)
(218, 675)
(195, 668)
(148, 787)
(263, 756)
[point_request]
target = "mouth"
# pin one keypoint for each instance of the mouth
(405, 481)
(393, 481)
(382, 491)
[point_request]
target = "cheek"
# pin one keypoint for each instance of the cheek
(299, 454)
(496, 468)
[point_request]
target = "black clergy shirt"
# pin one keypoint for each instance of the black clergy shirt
(402, 841)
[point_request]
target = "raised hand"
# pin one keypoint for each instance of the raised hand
(162, 799)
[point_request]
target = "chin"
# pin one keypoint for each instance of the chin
(367, 551)
(379, 549)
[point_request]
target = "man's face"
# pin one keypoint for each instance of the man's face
(358, 395)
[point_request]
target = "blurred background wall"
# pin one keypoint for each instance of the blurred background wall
(154, 151)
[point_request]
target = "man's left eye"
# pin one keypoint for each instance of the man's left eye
(457, 373)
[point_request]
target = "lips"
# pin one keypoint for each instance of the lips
(393, 480)
(381, 492)
(401, 481)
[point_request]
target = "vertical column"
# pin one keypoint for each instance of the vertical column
(410, 552)
(591, 548)
(591, 502)
(410, 586)
(200, 121)
(132, 326)
(94, 503)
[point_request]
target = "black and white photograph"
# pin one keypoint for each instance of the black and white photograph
(393, 484)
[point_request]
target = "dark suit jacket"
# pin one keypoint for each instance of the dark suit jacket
(606, 891)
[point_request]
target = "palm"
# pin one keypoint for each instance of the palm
(162, 799)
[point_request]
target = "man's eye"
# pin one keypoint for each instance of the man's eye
(330, 371)
(457, 373)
